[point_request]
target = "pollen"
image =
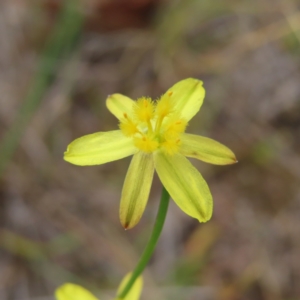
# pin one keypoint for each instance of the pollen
(144, 109)
(171, 146)
(128, 127)
(146, 143)
(164, 106)
(174, 126)
(154, 125)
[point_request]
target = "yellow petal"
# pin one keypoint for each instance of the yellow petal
(185, 185)
(187, 97)
(70, 291)
(99, 148)
(135, 291)
(136, 189)
(119, 105)
(206, 149)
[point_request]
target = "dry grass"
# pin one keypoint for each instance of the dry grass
(60, 222)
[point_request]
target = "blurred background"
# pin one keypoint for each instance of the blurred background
(58, 62)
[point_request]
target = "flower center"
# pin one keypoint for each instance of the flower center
(154, 125)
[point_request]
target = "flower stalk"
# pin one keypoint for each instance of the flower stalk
(150, 247)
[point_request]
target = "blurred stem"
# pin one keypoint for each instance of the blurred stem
(60, 43)
(157, 229)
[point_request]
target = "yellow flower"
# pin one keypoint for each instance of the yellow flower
(153, 132)
(70, 291)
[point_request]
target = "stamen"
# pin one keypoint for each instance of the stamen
(150, 129)
(158, 124)
(144, 109)
(146, 143)
(128, 127)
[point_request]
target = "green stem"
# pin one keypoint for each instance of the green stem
(157, 229)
